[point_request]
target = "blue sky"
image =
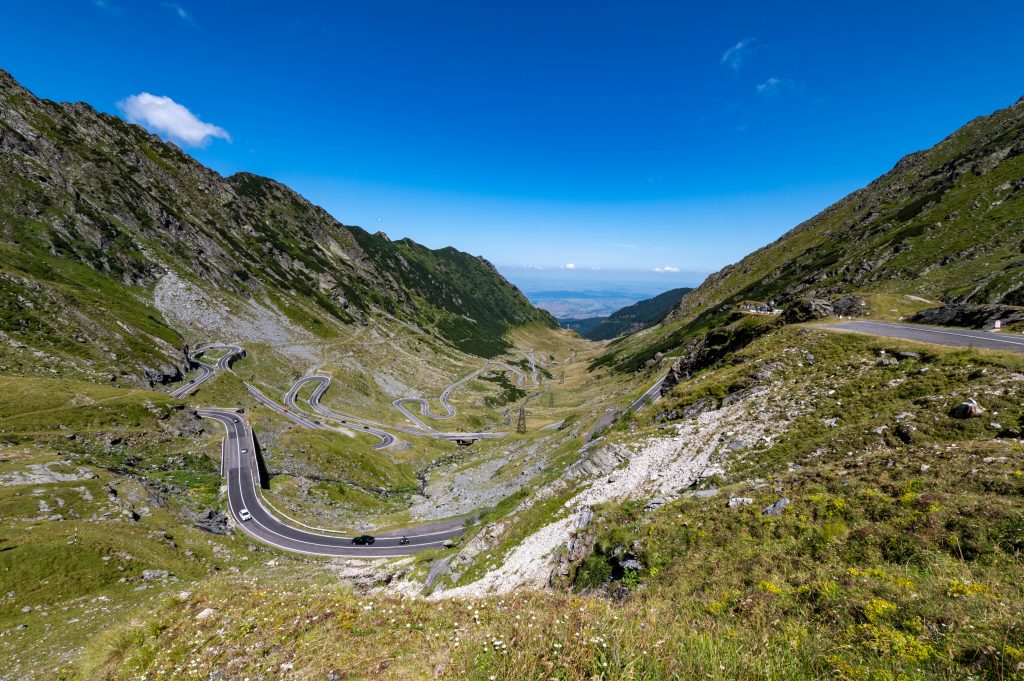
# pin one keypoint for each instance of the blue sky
(610, 135)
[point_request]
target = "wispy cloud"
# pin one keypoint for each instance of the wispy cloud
(178, 10)
(775, 86)
(667, 269)
(165, 116)
(107, 6)
(737, 54)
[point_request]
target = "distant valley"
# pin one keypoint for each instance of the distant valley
(629, 319)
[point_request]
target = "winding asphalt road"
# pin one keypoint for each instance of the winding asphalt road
(239, 461)
(206, 371)
(933, 334)
(386, 438)
(239, 465)
(424, 406)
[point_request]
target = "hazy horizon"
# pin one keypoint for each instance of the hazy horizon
(576, 293)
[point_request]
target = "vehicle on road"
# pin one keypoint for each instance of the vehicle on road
(244, 514)
(245, 451)
(363, 540)
(404, 540)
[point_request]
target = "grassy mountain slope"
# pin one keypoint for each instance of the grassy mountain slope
(95, 213)
(898, 556)
(629, 319)
(944, 224)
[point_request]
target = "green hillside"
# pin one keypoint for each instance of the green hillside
(945, 224)
(99, 218)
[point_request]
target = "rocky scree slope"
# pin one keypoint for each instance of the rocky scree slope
(94, 212)
(946, 224)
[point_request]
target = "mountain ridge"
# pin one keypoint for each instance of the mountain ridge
(945, 223)
(87, 197)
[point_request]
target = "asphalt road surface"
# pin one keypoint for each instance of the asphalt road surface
(355, 423)
(266, 527)
(239, 465)
(652, 395)
(934, 334)
(206, 372)
(424, 406)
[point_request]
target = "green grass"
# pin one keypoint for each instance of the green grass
(31, 405)
(900, 554)
(78, 574)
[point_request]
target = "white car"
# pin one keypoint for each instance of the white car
(245, 451)
(244, 514)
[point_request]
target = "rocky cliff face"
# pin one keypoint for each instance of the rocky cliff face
(95, 211)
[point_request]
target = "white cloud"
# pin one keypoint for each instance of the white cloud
(532, 267)
(106, 6)
(666, 268)
(569, 266)
(165, 116)
(735, 55)
(775, 86)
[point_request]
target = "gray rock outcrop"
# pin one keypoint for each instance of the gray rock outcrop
(967, 409)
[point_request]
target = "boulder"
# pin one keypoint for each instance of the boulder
(807, 310)
(967, 409)
(654, 504)
(151, 575)
(162, 375)
(584, 518)
(777, 508)
(851, 305)
(437, 570)
(211, 520)
(597, 462)
(740, 501)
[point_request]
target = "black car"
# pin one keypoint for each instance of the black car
(363, 540)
